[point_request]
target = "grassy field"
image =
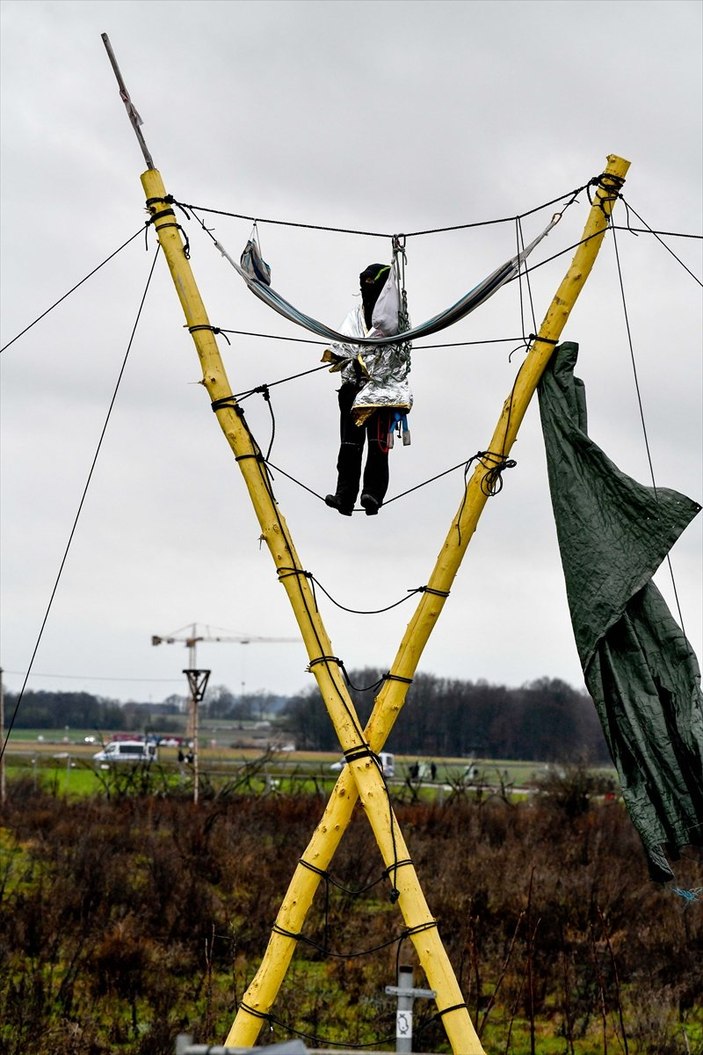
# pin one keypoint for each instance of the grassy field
(128, 919)
(64, 758)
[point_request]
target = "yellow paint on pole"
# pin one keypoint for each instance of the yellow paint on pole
(263, 990)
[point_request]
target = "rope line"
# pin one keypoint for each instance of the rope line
(360, 611)
(323, 344)
(380, 234)
(656, 234)
(650, 230)
(643, 422)
(510, 464)
(351, 892)
(80, 508)
(72, 290)
(406, 933)
(326, 1041)
(331, 952)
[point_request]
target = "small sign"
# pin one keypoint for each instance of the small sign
(404, 1024)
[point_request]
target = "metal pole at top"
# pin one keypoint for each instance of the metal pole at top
(134, 118)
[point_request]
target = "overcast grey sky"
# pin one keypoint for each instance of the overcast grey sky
(373, 116)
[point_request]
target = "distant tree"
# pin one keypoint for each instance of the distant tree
(559, 724)
(56, 710)
(305, 718)
(254, 706)
(219, 702)
(546, 720)
(179, 703)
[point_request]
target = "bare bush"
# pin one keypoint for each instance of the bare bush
(125, 921)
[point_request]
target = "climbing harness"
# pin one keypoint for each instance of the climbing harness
(398, 427)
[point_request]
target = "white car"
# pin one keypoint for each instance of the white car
(128, 751)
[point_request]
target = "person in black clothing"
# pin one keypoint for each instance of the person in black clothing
(366, 401)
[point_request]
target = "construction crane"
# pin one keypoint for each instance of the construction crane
(195, 636)
(205, 634)
(191, 641)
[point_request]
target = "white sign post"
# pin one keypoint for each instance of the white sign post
(404, 1016)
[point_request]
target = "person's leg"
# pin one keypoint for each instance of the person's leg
(376, 472)
(351, 449)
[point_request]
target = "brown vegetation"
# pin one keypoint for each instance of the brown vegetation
(126, 921)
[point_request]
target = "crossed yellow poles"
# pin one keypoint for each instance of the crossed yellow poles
(361, 779)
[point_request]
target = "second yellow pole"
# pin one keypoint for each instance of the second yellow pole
(263, 990)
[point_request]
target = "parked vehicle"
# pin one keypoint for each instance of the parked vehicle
(128, 751)
(387, 763)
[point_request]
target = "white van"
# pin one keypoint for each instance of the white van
(128, 751)
(387, 763)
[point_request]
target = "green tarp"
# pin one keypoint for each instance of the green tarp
(639, 668)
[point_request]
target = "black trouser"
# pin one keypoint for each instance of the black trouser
(375, 432)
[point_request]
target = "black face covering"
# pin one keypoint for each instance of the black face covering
(372, 280)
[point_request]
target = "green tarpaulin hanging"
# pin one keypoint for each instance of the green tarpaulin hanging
(639, 668)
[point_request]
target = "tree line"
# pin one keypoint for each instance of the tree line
(545, 720)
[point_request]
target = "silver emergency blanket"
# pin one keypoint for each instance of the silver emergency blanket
(381, 371)
(468, 303)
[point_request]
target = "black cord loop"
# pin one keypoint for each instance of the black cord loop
(157, 215)
(395, 866)
(212, 329)
(325, 659)
(256, 455)
(313, 868)
(256, 1014)
(545, 340)
(285, 573)
(289, 934)
(454, 1007)
(355, 754)
(186, 246)
(168, 199)
(609, 182)
(409, 931)
(169, 212)
(229, 402)
(492, 482)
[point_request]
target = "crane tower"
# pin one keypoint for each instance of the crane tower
(191, 636)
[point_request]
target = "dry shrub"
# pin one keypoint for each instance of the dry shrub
(126, 921)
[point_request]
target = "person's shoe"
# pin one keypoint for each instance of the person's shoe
(370, 504)
(335, 502)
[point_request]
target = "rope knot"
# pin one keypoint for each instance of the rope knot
(492, 482)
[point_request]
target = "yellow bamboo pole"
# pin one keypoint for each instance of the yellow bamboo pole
(367, 778)
(263, 989)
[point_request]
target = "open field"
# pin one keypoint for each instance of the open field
(128, 919)
(67, 759)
